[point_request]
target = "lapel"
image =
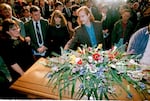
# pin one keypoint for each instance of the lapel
(96, 32)
(43, 28)
(32, 27)
(85, 35)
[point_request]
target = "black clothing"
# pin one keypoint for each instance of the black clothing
(73, 20)
(16, 51)
(56, 38)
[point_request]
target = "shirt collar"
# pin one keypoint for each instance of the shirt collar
(35, 21)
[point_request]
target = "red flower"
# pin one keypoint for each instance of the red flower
(79, 61)
(96, 56)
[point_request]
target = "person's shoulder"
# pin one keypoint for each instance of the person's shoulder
(27, 23)
(97, 22)
(117, 23)
(78, 28)
(44, 20)
(22, 18)
(140, 33)
(16, 19)
(142, 30)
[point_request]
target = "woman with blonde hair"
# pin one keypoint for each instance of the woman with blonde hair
(89, 31)
(58, 34)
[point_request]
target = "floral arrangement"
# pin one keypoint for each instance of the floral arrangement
(97, 71)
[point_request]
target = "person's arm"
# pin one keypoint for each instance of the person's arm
(17, 68)
(70, 26)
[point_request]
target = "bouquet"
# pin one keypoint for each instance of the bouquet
(96, 72)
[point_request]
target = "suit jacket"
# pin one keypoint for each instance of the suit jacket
(29, 28)
(46, 14)
(81, 36)
(67, 16)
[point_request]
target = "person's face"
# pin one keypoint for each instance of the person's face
(126, 16)
(60, 8)
(36, 15)
(83, 17)
(104, 10)
(74, 13)
(69, 4)
(89, 4)
(14, 32)
(26, 14)
(42, 3)
(57, 20)
(7, 13)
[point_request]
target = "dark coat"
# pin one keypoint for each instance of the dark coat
(29, 28)
(118, 30)
(81, 36)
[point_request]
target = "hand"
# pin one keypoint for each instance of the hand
(44, 48)
(40, 50)
(27, 39)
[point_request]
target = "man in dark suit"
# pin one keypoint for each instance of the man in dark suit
(88, 33)
(93, 9)
(36, 30)
(67, 10)
(45, 13)
(26, 15)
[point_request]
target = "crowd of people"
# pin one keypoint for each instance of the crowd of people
(38, 28)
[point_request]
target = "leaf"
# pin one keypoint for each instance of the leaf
(95, 94)
(101, 94)
(105, 94)
(97, 77)
(73, 87)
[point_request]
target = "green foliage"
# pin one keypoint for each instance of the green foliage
(96, 72)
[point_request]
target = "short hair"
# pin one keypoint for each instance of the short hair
(34, 9)
(8, 24)
(25, 9)
(66, 1)
(87, 11)
(126, 10)
(58, 3)
(74, 7)
(5, 6)
(60, 15)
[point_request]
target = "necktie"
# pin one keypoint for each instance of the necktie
(68, 12)
(38, 33)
